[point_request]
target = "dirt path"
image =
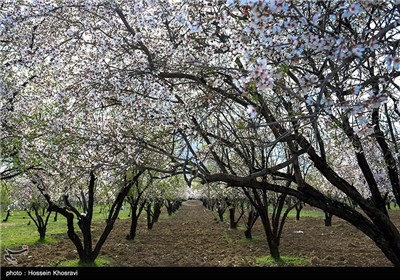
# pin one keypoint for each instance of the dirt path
(194, 237)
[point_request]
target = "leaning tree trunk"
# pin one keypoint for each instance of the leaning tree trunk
(7, 216)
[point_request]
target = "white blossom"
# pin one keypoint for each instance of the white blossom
(251, 111)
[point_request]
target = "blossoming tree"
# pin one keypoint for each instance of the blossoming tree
(254, 88)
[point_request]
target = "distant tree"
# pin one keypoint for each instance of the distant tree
(137, 201)
(37, 212)
(5, 201)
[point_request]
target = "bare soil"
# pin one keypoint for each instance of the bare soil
(193, 236)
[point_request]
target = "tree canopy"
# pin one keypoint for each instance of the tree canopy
(275, 95)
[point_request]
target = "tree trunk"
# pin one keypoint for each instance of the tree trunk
(221, 210)
(169, 211)
(85, 226)
(169, 205)
(378, 226)
(136, 210)
(87, 258)
(42, 233)
(328, 219)
(157, 211)
(221, 216)
(247, 233)
(274, 249)
(178, 205)
(273, 244)
(232, 221)
(251, 220)
(149, 217)
(133, 228)
(299, 207)
(7, 216)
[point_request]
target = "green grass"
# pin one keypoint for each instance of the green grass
(16, 232)
(246, 241)
(284, 260)
(100, 261)
(307, 213)
(316, 213)
(393, 208)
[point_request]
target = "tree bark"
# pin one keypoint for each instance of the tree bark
(251, 220)
(232, 221)
(298, 207)
(328, 219)
(169, 205)
(273, 244)
(157, 211)
(149, 216)
(136, 210)
(7, 216)
(133, 228)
